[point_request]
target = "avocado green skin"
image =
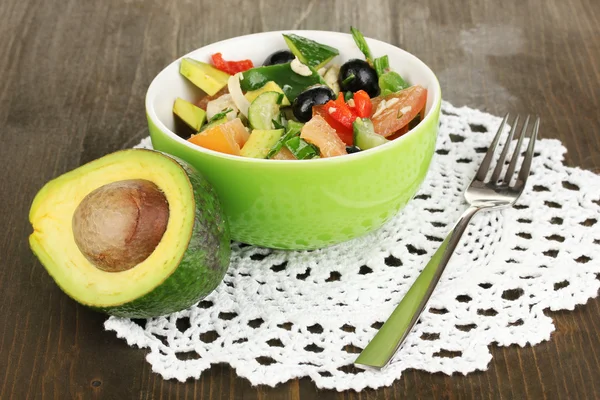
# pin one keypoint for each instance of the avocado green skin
(202, 266)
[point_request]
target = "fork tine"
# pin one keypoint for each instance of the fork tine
(500, 164)
(526, 166)
(487, 160)
(515, 157)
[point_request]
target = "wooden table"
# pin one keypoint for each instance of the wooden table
(73, 76)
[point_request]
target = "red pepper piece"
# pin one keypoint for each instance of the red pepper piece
(344, 133)
(341, 112)
(231, 67)
(362, 104)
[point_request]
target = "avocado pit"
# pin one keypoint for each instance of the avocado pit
(118, 225)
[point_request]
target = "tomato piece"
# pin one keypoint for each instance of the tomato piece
(231, 67)
(400, 109)
(225, 138)
(284, 154)
(344, 133)
(240, 133)
(408, 126)
(362, 104)
(318, 132)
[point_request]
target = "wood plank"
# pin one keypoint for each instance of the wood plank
(74, 76)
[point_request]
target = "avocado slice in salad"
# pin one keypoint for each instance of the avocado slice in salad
(203, 75)
(193, 116)
(260, 142)
(309, 52)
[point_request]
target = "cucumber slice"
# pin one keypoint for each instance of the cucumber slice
(309, 52)
(269, 87)
(264, 109)
(260, 142)
(365, 136)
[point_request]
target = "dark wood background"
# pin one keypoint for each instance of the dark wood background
(73, 76)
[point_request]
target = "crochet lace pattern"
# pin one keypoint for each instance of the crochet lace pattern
(281, 315)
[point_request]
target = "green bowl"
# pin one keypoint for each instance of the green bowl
(303, 204)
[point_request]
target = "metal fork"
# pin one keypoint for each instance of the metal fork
(482, 194)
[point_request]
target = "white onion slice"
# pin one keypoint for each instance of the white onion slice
(233, 84)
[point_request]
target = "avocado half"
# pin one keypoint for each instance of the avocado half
(187, 242)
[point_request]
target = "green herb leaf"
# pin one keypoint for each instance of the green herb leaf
(348, 79)
(280, 98)
(348, 95)
(301, 149)
(278, 124)
(391, 82)
(220, 115)
(292, 130)
(382, 65)
(360, 41)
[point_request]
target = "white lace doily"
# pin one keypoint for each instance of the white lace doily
(282, 315)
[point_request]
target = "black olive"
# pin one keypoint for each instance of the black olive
(313, 96)
(279, 57)
(358, 75)
(352, 149)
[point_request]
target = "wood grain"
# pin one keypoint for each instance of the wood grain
(73, 76)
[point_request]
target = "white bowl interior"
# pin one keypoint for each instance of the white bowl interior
(169, 84)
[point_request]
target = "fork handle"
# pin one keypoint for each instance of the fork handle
(391, 335)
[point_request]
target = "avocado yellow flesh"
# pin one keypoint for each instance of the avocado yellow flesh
(189, 261)
(203, 75)
(189, 113)
(260, 142)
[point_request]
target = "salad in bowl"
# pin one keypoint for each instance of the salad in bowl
(299, 104)
(308, 138)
